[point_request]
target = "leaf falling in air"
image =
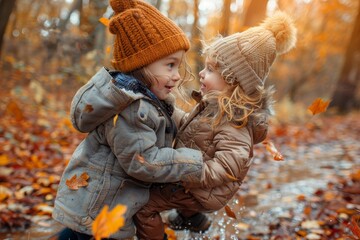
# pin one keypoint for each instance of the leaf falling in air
(75, 183)
(229, 212)
(88, 108)
(104, 21)
(108, 222)
(318, 106)
(270, 147)
(115, 119)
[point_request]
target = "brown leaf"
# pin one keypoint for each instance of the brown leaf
(13, 109)
(270, 147)
(229, 212)
(108, 222)
(75, 183)
(318, 106)
(88, 108)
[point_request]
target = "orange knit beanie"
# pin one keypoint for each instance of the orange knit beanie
(143, 35)
(245, 58)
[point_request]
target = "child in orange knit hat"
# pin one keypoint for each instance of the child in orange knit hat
(132, 146)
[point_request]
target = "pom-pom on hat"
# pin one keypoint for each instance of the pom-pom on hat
(246, 57)
(142, 35)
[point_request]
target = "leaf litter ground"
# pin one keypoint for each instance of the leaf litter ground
(313, 194)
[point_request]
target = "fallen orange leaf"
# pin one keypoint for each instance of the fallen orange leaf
(104, 21)
(318, 106)
(270, 147)
(229, 212)
(108, 222)
(75, 183)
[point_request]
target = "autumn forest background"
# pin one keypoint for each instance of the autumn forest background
(50, 48)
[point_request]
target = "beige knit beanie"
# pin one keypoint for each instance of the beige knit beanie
(246, 57)
(142, 35)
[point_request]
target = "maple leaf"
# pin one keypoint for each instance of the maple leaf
(229, 212)
(318, 106)
(88, 108)
(270, 147)
(108, 222)
(75, 183)
(104, 21)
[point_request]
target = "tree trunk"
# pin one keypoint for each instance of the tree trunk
(6, 7)
(255, 13)
(344, 96)
(225, 19)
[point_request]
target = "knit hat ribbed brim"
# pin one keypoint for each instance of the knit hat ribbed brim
(143, 35)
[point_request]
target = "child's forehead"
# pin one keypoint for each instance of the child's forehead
(211, 61)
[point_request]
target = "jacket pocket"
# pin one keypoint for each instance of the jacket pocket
(104, 193)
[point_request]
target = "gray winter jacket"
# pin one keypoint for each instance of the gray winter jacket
(122, 155)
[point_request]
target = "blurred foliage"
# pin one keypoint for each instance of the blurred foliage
(59, 45)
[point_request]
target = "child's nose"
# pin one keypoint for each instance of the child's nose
(176, 76)
(201, 73)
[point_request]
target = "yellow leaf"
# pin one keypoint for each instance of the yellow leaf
(107, 223)
(104, 21)
(74, 183)
(318, 106)
(115, 119)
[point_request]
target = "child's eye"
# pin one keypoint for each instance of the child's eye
(171, 65)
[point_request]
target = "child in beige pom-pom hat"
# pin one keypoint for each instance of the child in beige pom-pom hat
(229, 119)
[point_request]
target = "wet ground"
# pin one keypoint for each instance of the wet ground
(270, 193)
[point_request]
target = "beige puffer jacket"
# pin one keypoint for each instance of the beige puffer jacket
(227, 152)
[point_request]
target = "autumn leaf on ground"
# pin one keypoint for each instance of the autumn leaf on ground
(75, 183)
(270, 147)
(318, 106)
(229, 212)
(4, 160)
(104, 21)
(108, 222)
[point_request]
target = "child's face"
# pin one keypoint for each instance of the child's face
(166, 73)
(210, 78)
